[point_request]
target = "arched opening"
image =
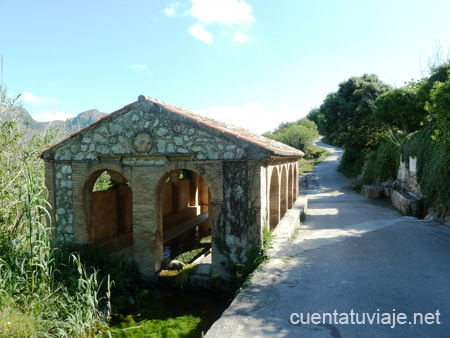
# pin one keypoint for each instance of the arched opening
(109, 211)
(185, 205)
(283, 192)
(290, 186)
(274, 198)
(296, 183)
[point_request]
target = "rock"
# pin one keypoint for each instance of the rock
(372, 191)
(168, 264)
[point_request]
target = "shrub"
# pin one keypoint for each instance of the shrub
(433, 172)
(383, 163)
(400, 109)
(352, 162)
(297, 136)
(439, 105)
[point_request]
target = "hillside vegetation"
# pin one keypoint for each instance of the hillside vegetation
(301, 134)
(44, 291)
(378, 126)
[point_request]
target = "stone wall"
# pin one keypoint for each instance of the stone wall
(407, 175)
(142, 145)
(149, 132)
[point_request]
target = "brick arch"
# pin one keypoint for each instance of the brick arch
(214, 200)
(210, 177)
(290, 185)
(103, 216)
(274, 199)
(295, 182)
(283, 192)
(90, 176)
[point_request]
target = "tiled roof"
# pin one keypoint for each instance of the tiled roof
(277, 148)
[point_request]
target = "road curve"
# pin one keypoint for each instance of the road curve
(353, 260)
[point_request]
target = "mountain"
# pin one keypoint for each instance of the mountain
(79, 122)
(69, 126)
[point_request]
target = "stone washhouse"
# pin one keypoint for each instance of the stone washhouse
(171, 170)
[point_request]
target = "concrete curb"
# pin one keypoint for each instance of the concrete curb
(288, 226)
(284, 233)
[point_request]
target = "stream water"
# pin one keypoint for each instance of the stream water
(160, 312)
(169, 313)
(186, 241)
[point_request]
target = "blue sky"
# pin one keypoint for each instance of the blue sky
(251, 63)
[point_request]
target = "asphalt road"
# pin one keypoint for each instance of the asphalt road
(353, 260)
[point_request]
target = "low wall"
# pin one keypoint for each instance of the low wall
(403, 201)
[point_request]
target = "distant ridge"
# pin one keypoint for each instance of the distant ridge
(70, 126)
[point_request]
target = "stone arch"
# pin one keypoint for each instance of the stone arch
(203, 195)
(290, 186)
(108, 214)
(283, 192)
(274, 199)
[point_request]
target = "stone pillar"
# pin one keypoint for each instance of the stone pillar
(147, 238)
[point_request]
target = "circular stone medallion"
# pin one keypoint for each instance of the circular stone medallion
(142, 142)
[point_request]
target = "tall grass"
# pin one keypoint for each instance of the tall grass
(35, 298)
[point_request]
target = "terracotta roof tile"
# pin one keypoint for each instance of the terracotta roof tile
(277, 148)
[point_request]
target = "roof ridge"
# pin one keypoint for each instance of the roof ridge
(226, 130)
(256, 139)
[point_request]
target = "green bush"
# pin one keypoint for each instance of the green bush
(297, 136)
(433, 171)
(400, 109)
(317, 152)
(308, 162)
(352, 162)
(383, 163)
(439, 105)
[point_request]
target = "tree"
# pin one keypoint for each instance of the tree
(307, 123)
(300, 122)
(315, 116)
(297, 136)
(400, 109)
(438, 74)
(348, 113)
(439, 105)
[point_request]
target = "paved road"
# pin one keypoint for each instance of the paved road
(352, 258)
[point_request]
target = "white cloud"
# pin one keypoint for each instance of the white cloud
(29, 97)
(226, 12)
(235, 17)
(241, 37)
(169, 11)
(41, 108)
(138, 68)
(199, 32)
(33, 99)
(253, 115)
(177, 8)
(51, 116)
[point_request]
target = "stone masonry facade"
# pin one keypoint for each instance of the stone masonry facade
(252, 180)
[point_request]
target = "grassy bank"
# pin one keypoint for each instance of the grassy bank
(53, 290)
(44, 291)
(168, 313)
(317, 156)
